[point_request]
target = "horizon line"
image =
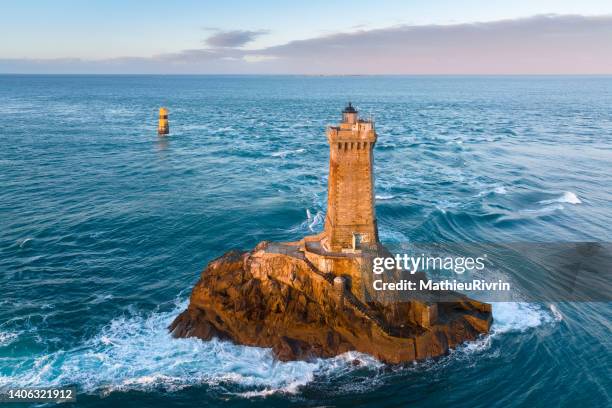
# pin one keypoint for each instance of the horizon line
(309, 75)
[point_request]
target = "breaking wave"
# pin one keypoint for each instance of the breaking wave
(510, 317)
(285, 153)
(500, 190)
(385, 196)
(7, 338)
(313, 222)
(567, 197)
(24, 241)
(519, 316)
(136, 352)
(543, 211)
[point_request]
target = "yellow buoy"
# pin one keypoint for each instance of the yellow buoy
(162, 127)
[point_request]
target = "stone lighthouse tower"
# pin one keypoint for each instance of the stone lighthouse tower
(350, 222)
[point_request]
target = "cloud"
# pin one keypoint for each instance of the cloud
(258, 58)
(548, 44)
(232, 39)
(535, 45)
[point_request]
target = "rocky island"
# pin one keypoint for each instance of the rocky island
(314, 297)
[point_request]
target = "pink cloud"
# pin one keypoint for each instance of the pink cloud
(548, 44)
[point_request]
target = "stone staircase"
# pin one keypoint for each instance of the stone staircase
(352, 300)
(355, 303)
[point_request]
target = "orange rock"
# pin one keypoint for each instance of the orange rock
(250, 299)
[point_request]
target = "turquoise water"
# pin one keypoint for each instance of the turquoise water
(104, 228)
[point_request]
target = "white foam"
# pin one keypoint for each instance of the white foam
(285, 153)
(555, 311)
(500, 190)
(316, 221)
(480, 344)
(136, 352)
(329, 370)
(544, 210)
(385, 196)
(7, 338)
(313, 223)
(99, 298)
(518, 316)
(24, 241)
(509, 317)
(567, 197)
(444, 205)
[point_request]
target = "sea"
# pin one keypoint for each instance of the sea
(105, 227)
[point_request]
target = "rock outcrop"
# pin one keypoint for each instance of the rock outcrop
(278, 299)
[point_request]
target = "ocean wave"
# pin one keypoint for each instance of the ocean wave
(391, 236)
(314, 222)
(445, 205)
(555, 312)
(567, 197)
(137, 353)
(544, 210)
(509, 317)
(24, 241)
(7, 338)
(385, 196)
(328, 369)
(225, 129)
(500, 190)
(519, 317)
(285, 153)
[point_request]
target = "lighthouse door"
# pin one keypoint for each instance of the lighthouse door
(357, 238)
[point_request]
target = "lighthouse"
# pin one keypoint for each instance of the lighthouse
(349, 241)
(350, 222)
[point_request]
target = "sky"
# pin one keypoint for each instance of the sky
(307, 37)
